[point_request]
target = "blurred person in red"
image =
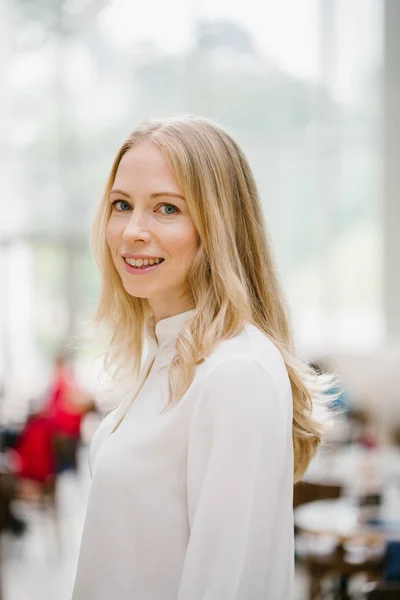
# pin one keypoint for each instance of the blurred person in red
(47, 444)
(68, 402)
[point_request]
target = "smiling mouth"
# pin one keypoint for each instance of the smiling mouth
(143, 264)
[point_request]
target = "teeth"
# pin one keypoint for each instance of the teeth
(142, 262)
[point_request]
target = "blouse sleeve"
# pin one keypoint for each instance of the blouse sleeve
(240, 486)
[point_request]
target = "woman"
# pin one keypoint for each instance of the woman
(192, 476)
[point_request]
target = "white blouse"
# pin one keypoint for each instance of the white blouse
(195, 502)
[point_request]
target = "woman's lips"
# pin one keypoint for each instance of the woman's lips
(141, 270)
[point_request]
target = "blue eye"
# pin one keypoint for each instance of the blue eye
(121, 205)
(170, 209)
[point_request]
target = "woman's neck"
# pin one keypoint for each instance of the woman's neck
(165, 311)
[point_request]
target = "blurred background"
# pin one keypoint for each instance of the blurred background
(311, 90)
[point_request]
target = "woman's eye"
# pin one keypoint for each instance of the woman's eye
(121, 205)
(168, 209)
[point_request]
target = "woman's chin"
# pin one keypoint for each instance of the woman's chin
(137, 291)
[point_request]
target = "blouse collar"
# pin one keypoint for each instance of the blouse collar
(165, 332)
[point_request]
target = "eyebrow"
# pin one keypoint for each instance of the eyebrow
(153, 196)
(168, 194)
(115, 191)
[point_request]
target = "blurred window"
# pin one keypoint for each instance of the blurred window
(298, 84)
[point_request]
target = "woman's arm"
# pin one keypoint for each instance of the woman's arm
(240, 484)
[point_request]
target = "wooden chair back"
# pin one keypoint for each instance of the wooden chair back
(382, 591)
(305, 491)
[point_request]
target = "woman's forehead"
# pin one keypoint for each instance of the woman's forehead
(144, 166)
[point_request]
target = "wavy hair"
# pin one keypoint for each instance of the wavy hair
(224, 204)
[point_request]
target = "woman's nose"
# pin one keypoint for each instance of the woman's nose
(137, 228)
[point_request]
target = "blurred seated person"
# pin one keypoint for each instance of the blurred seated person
(354, 425)
(341, 401)
(47, 444)
(67, 402)
(340, 430)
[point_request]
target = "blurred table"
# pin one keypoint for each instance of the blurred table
(354, 466)
(336, 542)
(340, 518)
(350, 533)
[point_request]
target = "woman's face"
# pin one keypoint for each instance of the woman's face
(150, 233)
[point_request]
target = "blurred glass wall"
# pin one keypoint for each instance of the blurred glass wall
(298, 83)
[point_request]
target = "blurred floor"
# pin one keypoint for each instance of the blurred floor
(41, 565)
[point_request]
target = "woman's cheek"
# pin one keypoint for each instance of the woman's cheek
(112, 235)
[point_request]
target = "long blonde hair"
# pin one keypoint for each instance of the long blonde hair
(223, 201)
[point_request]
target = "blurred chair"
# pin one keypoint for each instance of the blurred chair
(65, 453)
(42, 495)
(324, 557)
(381, 591)
(336, 568)
(6, 496)
(358, 419)
(395, 436)
(311, 548)
(38, 501)
(305, 491)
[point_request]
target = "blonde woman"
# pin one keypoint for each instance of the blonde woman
(192, 476)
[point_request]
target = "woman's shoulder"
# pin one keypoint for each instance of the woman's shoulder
(249, 351)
